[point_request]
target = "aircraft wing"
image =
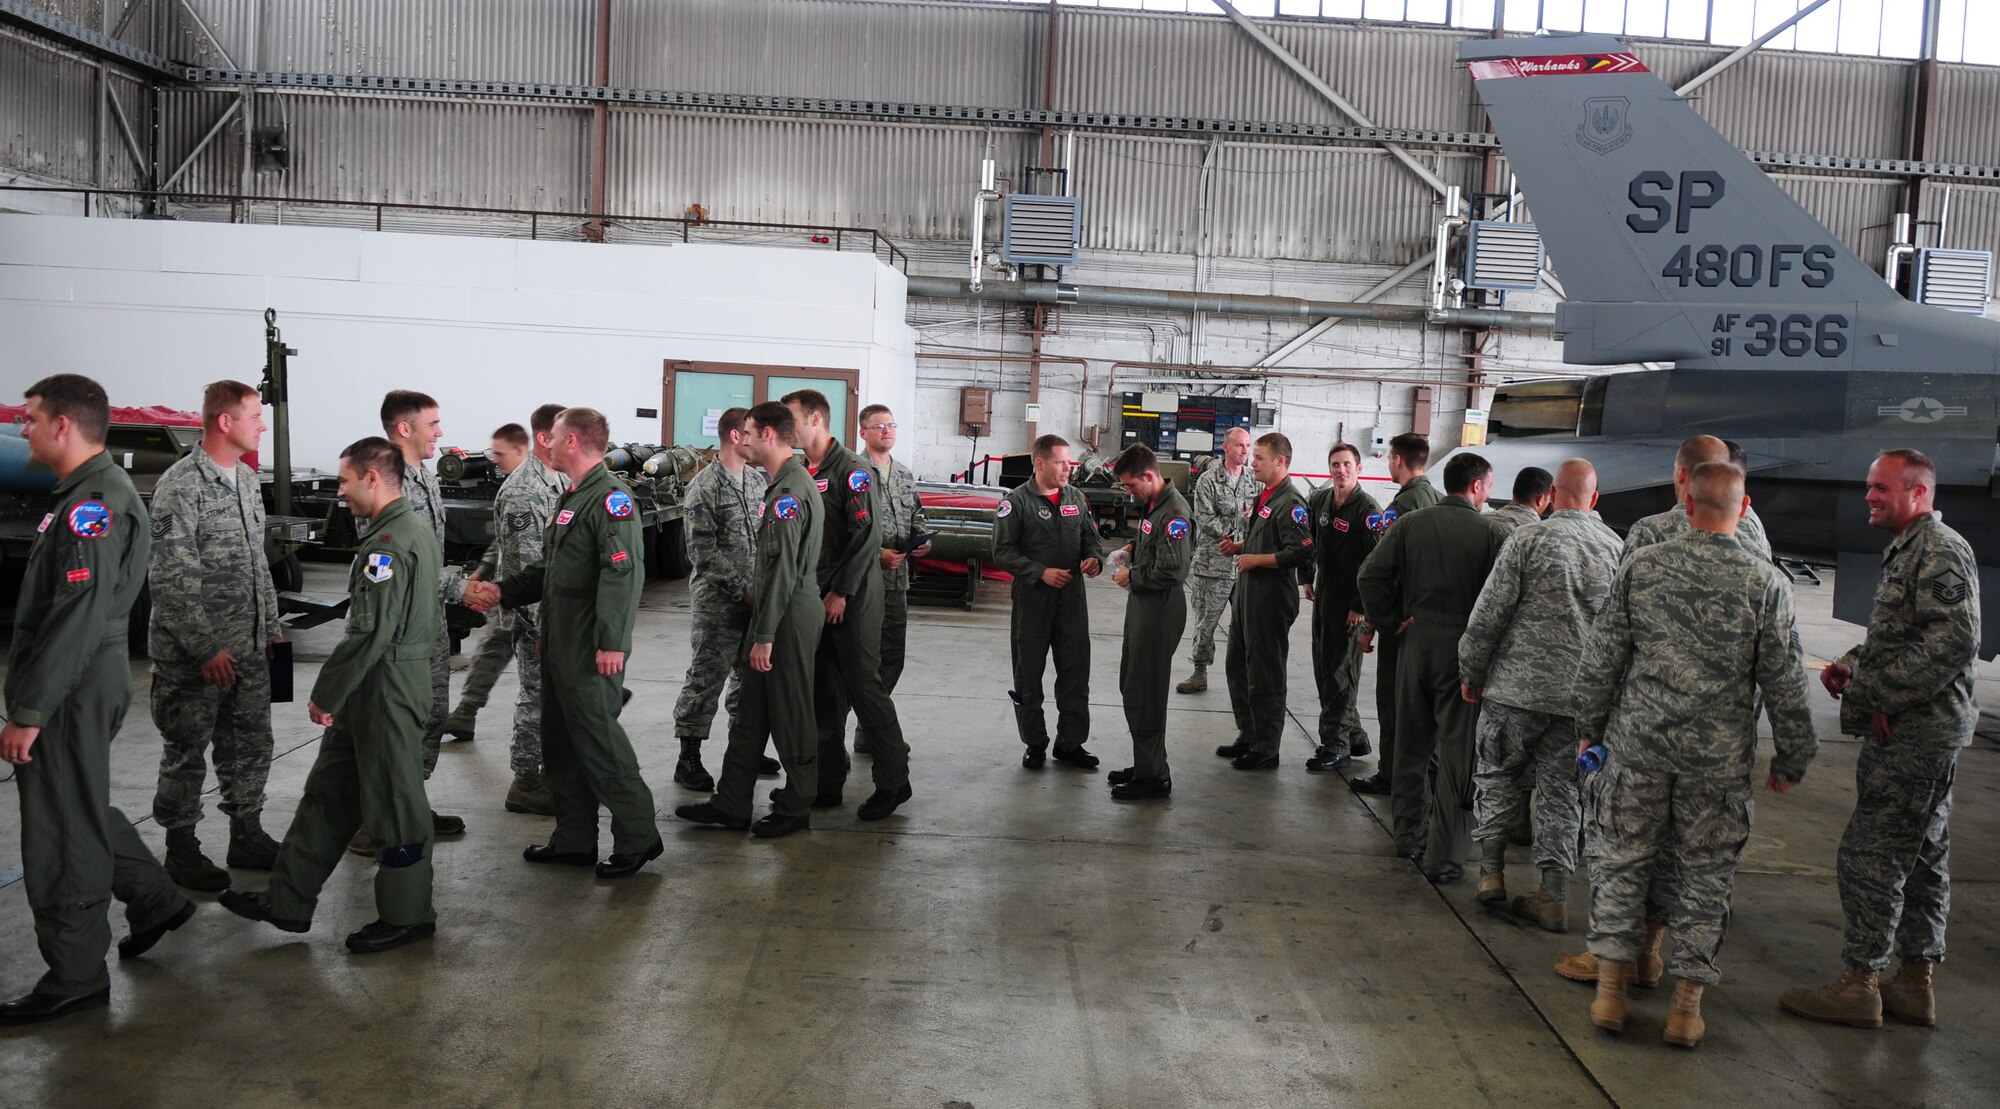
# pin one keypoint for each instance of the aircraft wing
(1622, 464)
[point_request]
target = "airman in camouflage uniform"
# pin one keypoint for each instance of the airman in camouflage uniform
(1551, 580)
(902, 515)
(215, 614)
(522, 508)
(1647, 532)
(1220, 499)
(1908, 690)
(1533, 489)
(720, 511)
(497, 647)
(1695, 628)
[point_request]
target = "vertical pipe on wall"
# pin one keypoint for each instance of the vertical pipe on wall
(600, 123)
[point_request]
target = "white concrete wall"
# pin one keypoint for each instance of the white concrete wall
(491, 327)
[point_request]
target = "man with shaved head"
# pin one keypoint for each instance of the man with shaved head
(1550, 582)
(1696, 627)
(1674, 521)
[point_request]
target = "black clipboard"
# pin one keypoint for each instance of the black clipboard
(910, 546)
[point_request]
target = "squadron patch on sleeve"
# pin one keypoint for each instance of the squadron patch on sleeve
(786, 507)
(1005, 510)
(90, 520)
(1299, 515)
(1177, 528)
(380, 567)
(618, 503)
(859, 480)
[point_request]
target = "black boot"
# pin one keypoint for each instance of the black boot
(689, 772)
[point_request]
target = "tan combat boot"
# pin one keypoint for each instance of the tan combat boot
(1684, 1023)
(1492, 888)
(1550, 914)
(1908, 996)
(1608, 1011)
(531, 795)
(1196, 682)
(1853, 998)
(1582, 967)
(1651, 966)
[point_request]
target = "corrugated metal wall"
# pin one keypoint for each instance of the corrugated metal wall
(1968, 119)
(50, 126)
(1141, 193)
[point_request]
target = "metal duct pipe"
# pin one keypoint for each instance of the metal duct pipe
(1226, 304)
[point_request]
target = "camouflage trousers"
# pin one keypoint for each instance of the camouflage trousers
(496, 650)
(1208, 597)
(1337, 672)
(1522, 752)
(194, 718)
(1663, 890)
(1638, 813)
(721, 645)
(1894, 864)
(524, 754)
(440, 696)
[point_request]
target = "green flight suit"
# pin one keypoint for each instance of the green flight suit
(369, 772)
(588, 584)
(1261, 612)
(785, 611)
(1155, 616)
(1429, 569)
(1343, 537)
(1417, 493)
(68, 674)
(1033, 532)
(848, 672)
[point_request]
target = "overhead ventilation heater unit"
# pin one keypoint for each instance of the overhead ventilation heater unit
(1959, 280)
(1505, 257)
(1041, 230)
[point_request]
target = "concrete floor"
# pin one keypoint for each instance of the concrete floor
(1012, 938)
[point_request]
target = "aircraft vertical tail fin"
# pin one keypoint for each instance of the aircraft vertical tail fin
(1638, 199)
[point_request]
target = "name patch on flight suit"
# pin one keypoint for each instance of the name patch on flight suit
(1146, 527)
(566, 515)
(1071, 509)
(1339, 525)
(820, 485)
(46, 521)
(379, 567)
(90, 520)
(1264, 513)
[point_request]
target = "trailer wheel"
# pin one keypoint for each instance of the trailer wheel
(288, 573)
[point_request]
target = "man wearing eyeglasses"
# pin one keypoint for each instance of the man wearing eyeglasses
(902, 513)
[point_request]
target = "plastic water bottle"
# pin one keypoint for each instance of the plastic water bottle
(1591, 760)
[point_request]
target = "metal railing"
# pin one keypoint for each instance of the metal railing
(474, 219)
